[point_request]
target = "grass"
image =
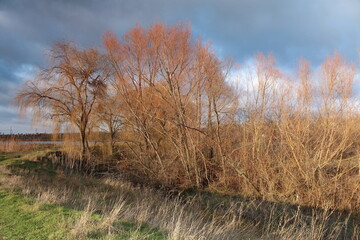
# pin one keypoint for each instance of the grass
(22, 218)
(37, 196)
(30, 217)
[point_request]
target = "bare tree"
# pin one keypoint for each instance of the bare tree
(163, 78)
(69, 89)
(109, 118)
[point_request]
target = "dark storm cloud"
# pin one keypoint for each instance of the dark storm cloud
(288, 29)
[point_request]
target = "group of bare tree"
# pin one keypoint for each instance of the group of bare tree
(183, 120)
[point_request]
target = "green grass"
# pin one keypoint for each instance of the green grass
(21, 217)
(40, 202)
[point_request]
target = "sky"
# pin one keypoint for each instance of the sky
(288, 29)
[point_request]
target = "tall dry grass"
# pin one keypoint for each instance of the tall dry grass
(14, 145)
(298, 141)
(203, 216)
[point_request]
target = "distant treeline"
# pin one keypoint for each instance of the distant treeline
(98, 136)
(27, 136)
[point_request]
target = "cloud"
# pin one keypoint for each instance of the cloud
(289, 29)
(240, 28)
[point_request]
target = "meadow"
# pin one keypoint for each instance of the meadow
(39, 199)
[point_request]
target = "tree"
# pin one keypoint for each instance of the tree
(68, 90)
(163, 76)
(109, 118)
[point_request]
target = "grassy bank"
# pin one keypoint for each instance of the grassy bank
(26, 214)
(41, 201)
(23, 217)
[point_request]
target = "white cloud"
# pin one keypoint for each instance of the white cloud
(26, 72)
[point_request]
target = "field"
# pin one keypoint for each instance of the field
(41, 201)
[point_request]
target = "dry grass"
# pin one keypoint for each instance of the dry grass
(13, 145)
(202, 216)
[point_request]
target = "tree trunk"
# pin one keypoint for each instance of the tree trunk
(84, 147)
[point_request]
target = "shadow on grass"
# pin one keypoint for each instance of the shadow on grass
(265, 215)
(269, 215)
(41, 176)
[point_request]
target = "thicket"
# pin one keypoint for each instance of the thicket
(178, 116)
